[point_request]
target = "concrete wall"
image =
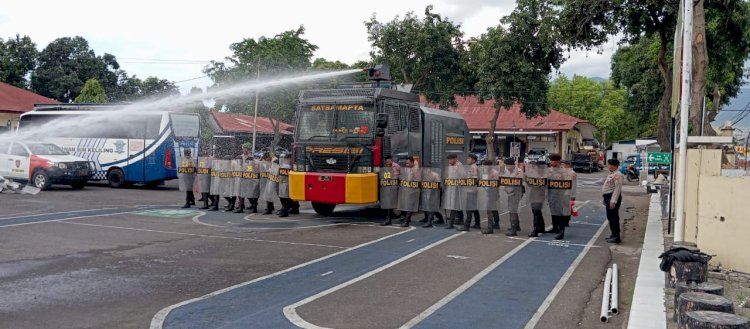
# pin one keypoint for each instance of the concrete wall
(5, 117)
(716, 210)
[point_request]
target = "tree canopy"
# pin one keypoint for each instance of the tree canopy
(17, 58)
(92, 93)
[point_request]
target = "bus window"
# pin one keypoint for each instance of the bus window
(184, 125)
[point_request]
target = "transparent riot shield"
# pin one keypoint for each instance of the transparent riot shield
(271, 192)
(453, 178)
(536, 182)
(469, 188)
(388, 182)
(216, 179)
(227, 181)
(250, 179)
(408, 191)
(511, 182)
(285, 166)
(559, 186)
(265, 166)
(203, 175)
(488, 183)
(186, 174)
(237, 165)
(430, 194)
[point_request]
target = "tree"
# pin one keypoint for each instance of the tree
(285, 53)
(598, 102)
(635, 67)
(66, 63)
(155, 87)
(427, 53)
(17, 60)
(514, 65)
(92, 92)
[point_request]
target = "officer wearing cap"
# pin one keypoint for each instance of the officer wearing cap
(559, 187)
(512, 182)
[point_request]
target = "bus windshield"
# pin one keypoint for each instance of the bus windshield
(185, 125)
(335, 125)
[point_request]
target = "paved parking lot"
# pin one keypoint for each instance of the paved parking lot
(131, 258)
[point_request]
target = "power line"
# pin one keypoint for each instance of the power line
(163, 60)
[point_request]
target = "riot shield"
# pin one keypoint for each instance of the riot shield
(237, 170)
(408, 191)
(511, 181)
(204, 175)
(487, 188)
(250, 179)
(536, 181)
(271, 192)
(469, 189)
(227, 181)
(265, 166)
(388, 188)
(559, 186)
(430, 194)
(217, 170)
(285, 166)
(453, 180)
(186, 174)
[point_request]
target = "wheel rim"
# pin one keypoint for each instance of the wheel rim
(39, 181)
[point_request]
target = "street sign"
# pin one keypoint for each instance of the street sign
(515, 149)
(659, 158)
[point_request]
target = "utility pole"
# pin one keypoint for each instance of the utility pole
(687, 76)
(255, 116)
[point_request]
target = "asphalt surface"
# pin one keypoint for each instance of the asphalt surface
(131, 258)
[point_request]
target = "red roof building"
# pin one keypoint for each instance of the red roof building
(15, 101)
(556, 132)
(235, 123)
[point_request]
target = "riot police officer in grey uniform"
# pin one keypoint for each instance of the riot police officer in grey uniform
(536, 180)
(559, 187)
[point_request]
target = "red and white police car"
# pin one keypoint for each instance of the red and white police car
(43, 164)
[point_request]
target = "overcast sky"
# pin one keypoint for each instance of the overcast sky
(158, 37)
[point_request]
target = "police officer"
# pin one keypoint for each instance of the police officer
(537, 186)
(454, 172)
(429, 202)
(203, 177)
(512, 182)
(559, 187)
(487, 199)
(187, 177)
(269, 188)
(245, 156)
(389, 189)
(286, 202)
(612, 195)
(408, 192)
(471, 194)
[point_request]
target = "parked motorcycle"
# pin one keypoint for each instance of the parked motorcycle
(632, 174)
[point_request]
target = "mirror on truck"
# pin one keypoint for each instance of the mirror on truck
(382, 122)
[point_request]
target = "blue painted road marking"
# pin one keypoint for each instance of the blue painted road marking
(510, 294)
(260, 304)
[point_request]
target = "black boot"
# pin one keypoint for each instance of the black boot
(560, 235)
(186, 205)
(467, 223)
(230, 207)
(387, 222)
(429, 216)
(489, 229)
(555, 225)
(407, 220)
(284, 212)
(215, 203)
(424, 220)
(440, 219)
(240, 209)
(515, 225)
(449, 220)
(269, 208)
(496, 220)
(295, 208)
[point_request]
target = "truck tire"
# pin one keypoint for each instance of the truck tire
(78, 185)
(323, 209)
(40, 180)
(116, 178)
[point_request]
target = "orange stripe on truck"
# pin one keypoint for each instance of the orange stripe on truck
(333, 188)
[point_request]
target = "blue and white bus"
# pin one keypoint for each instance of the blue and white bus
(127, 147)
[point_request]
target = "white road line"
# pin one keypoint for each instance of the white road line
(157, 322)
(56, 213)
(458, 257)
(453, 294)
(584, 223)
(557, 243)
(564, 279)
(411, 240)
(290, 312)
(63, 219)
(205, 235)
(326, 273)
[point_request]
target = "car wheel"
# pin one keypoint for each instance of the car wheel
(40, 180)
(116, 178)
(78, 185)
(323, 209)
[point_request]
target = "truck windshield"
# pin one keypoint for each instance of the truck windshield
(335, 125)
(46, 149)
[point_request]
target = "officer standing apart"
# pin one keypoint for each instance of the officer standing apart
(559, 187)
(408, 192)
(512, 180)
(612, 194)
